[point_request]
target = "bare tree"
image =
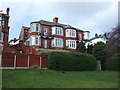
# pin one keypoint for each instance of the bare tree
(113, 44)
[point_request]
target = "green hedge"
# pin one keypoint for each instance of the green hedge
(113, 63)
(71, 61)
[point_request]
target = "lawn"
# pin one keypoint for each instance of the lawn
(56, 79)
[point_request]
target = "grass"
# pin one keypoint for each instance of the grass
(55, 79)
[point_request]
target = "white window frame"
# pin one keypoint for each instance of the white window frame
(70, 33)
(1, 36)
(2, 21)
(34, 26)
(57, 31)
(45, 43)
(33, 40)
(71, 44)
(57, 42)
(80, 36)
(45, 31)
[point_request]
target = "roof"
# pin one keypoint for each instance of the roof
(44, 22)
(99, 36)
(25, 27)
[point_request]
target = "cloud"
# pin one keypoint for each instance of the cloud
(98, 17)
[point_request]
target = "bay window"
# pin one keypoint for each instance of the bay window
(70, 33)
(57, 42)
(34, 40)
(57, 31)
(35, 27)
(71, 44)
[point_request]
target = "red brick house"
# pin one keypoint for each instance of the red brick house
(41, 34)
(52, 35)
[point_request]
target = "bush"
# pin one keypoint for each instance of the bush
(70, 61)
(113, 63)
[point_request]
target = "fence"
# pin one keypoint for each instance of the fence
(21, 60)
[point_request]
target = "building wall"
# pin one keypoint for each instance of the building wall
(49, 41)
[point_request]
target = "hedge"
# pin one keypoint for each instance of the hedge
(71, 61)
(113, 63)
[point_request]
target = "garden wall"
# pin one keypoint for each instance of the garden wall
(21, 60)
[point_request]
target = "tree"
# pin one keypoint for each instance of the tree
(89, 48)
(99, 53)
(113, 44)
(81, 47)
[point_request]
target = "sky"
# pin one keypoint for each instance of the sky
(96, 16)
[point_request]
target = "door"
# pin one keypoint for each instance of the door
(45, 43)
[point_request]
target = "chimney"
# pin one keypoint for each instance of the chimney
(55, 19)
(7, 10)
(96, 35)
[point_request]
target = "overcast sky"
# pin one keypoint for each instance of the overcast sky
(96, 17)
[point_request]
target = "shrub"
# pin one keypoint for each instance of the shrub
(71, 61)
(113, 63)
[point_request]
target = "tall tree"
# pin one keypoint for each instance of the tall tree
(81, 47)
(89, 48)
(99, 53)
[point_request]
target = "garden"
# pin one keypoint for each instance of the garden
(72, 69)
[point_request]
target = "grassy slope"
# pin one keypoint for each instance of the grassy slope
(54, 79)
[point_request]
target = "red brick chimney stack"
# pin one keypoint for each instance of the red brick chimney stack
(55, 19)
(7, 10)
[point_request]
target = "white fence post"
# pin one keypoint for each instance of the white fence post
(40, 62)
(14, 61)
(28, 61)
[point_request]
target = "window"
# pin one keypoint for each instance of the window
(80, 36)
(58, 31)
(37, 27)
(45, 31)
(70, 33)
(2, 21)
(1, 36)
(37, 40)
(45, 43)
(34, 40)
(71, 44)
(34, 27)
(57, 42)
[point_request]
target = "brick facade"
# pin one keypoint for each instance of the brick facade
(49, 35)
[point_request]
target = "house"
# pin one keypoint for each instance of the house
(98, 38)
(21, 53)
(52, 35)
(4, 30)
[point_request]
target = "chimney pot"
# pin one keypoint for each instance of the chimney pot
(96, 35)
(7, 10)
(55, 19)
